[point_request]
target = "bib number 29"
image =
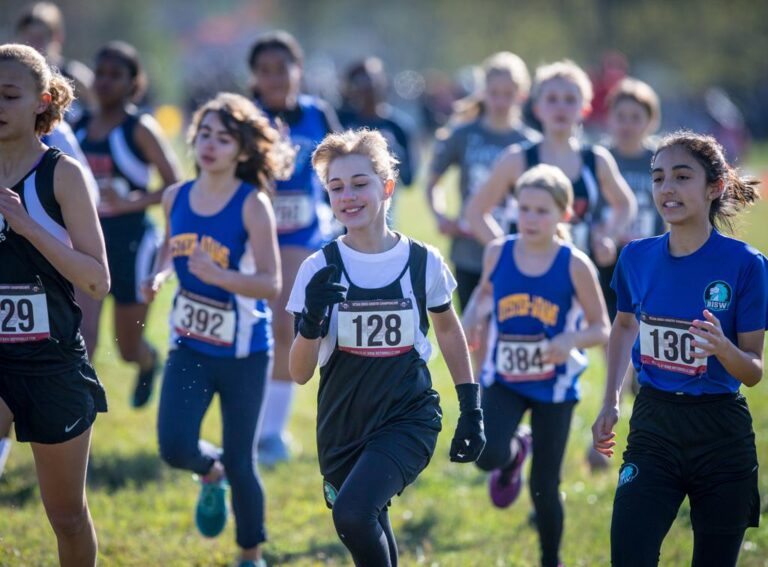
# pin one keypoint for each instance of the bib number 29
(23, 314)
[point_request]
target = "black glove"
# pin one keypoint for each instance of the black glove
(469, 440)
(320, 294)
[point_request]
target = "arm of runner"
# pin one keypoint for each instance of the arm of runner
(265, 282)
(163, 267)
(743, 361)
(84, 263)
(590, 297)
(479, 206)
(480, 305)
(622, 338)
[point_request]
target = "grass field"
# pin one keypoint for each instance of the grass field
(144, 511)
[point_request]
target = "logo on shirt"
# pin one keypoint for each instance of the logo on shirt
(330, 493)
(717, 296)
(627, 474)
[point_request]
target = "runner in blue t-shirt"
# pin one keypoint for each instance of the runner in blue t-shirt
(692, 310)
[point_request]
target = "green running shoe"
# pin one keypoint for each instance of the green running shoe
(211, 512)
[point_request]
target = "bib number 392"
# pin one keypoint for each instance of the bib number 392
(520, 359)
(376, 328)
(667, 344)
(202, 319)
(23, 314)
(293, 210)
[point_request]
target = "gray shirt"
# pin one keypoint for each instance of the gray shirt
(474, 149)
(636, 170)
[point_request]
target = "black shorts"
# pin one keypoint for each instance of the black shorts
(53, 408)
(702, 447)
(131, 257)
(411, 450)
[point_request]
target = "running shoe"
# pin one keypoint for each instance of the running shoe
(5, 450)
(504, 484)
(142, 393)
(211, 512)
(273, 450)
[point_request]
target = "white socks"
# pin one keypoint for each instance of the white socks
(276, 408)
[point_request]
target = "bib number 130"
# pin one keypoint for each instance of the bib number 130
(667, 344)
(376, 328)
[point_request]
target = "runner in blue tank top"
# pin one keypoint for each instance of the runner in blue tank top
(122, 147)
(303, 218)
(692, 313)
(220, 236)
(547, 308)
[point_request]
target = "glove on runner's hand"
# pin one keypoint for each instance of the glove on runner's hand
(321, 292)
(469, 440)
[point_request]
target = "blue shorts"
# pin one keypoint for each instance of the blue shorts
(131, 251)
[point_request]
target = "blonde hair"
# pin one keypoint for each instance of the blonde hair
(552, 180)
(363, 142)
(501, 63)
(47, 80)
(640, 93)
(565, 69)
(268, 156)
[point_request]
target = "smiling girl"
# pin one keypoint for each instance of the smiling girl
(221, 240)
(539, 288)
(692, 313)
(50, 243)
(361, 306)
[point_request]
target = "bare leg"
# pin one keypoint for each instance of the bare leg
(129, 331)
(61, 474)
(89, 327)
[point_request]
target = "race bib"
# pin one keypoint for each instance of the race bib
(204, 319)
(23, 313)
(519, 358)
(667, 344)
(377, 328)
(294, 210)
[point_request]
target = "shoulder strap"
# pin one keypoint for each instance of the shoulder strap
(44, 184)
(417, 266)
(531, 155)
(588, 158)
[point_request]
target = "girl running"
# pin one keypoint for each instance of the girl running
(561, 97)
(538, 288)
(220, 237)
(490, 123)
(692, 311)
(276, 61)
(361, 308)
(122, 145)
(50, 241)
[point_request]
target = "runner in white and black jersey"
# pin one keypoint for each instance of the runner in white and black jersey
(50, 242)
(378, 416)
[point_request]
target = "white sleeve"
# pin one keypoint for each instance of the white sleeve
(63, 138)
(308, 268)
(440, 280)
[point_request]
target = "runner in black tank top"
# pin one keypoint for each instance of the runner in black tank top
(561, 94)
(50, 241)
(378, 416)
(122, 146)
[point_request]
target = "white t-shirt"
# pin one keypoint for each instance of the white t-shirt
(371, 271)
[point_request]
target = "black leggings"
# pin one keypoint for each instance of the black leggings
(360, 510)
(550, 424)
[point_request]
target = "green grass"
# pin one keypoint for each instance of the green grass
(144, 511)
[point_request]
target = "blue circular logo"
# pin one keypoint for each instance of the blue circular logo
(628, 473)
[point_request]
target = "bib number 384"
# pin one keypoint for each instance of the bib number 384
(667, 344)
(519, 359)
(204, 320)
(23, 314)
(376, 328)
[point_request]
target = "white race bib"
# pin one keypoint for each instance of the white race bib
(667, 344)
(204, 320)
(294, 210)
(23, 313)
(376, 328)
(519, 358)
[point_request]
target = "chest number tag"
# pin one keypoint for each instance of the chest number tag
(377, 328)
(294, 210)
(205, 320)
(667, 344)
(519, 358)
(23, 314)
